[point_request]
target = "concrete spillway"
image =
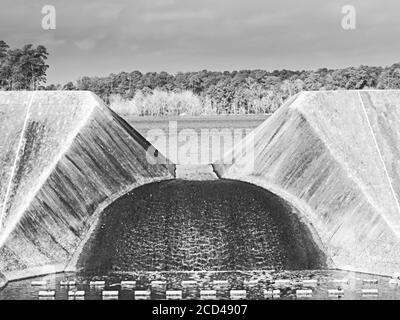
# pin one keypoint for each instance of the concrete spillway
(68, 166)
(64, 156)
(183, 225)
(335, 156)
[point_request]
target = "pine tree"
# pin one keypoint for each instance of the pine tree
(22, 69)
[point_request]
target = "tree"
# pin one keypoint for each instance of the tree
(53, 87)
(390, 78)
(12, 69)
(3, 49)
(39, 66)
(3, 54)
(23, 68)
(69, 86)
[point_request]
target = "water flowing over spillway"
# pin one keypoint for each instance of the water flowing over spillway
(200, 225)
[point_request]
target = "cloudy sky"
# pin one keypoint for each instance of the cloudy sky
(98, 37)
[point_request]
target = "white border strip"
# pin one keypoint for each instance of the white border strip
(379, 152)
(17, 157)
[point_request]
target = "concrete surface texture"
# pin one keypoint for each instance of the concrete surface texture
(64, 156)
(336, 157)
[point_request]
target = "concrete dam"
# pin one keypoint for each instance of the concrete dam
(335, 157)
(315, 186)
(64, 158)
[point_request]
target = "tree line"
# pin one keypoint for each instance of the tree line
(22, 69)
(244, 91)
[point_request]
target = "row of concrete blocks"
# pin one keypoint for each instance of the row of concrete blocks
(337, 292)
(211, 294)
(170, 294)
(216, 283)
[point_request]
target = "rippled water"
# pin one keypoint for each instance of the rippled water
(204, 280)
(200, 225)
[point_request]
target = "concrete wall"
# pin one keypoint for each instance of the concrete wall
(335, 156)
(64, 157)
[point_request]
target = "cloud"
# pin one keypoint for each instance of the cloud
(182, 35)
(50, 40)
(174, 16)
(105, 12)
(89, 43)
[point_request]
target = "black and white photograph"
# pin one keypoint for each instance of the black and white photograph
(207, 151)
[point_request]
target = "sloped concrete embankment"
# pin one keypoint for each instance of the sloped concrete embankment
(335, 156)
(64, 157)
